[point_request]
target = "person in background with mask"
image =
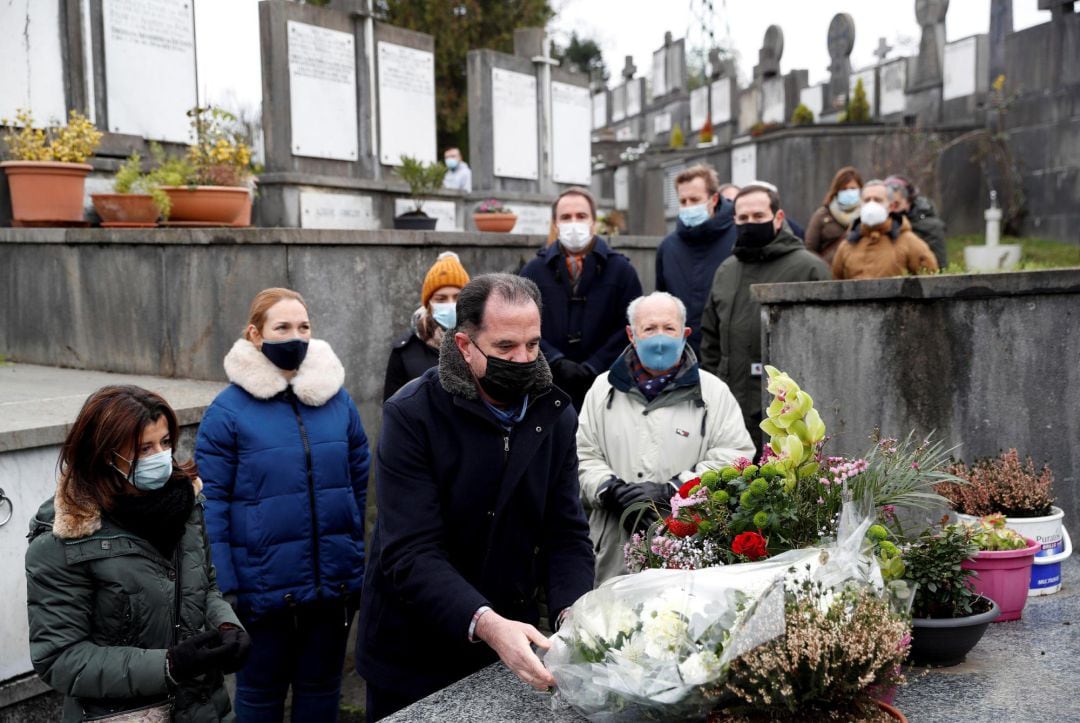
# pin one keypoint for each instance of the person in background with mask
(651, 423)
(704, 235)
(459, 175)
(830, 223)
(905, 200)
(285, 461)
(125, 615)
(880, 244)
(766, 252)
(586, 288)
(417, 350)
(479, 508)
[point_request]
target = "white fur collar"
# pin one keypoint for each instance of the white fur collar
(316, 382)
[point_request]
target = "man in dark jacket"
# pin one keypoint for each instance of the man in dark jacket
(904, 200)
(765, 252)
(478, 508)
(704, 234)
(586, 288)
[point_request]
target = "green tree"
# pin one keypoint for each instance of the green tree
(858, 108)
(458, 27)
(582, 55)
(802, 116)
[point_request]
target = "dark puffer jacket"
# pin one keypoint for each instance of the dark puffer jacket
(687, 259)
(101, 603)
(285, 465)
(928, 226)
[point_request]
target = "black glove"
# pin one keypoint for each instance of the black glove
(232, 599)
(199, 654)
(234, 636)
(570, 376)
(618, 495)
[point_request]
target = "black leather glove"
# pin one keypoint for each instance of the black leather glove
(570, 376)
(199, 654)
(241, 641)
(618, 495)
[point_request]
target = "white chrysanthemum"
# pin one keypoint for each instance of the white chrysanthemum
(664, 634)
(700, 668)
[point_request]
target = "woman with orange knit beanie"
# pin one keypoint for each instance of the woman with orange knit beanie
(417, 350)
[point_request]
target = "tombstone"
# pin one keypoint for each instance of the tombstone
(966, 80)
(600, 110)
(699, 108)
(635, 91)
(405, 73)
(772, 49)
(618, 103)
(841, 42)
(772, 101)
(749, 107)
(1058, 37)
(882, 50)
(32, 60)
(669, 68)
(744, 164)
(515, 132)
(893, 91)
(930, 61)
(571, 148)
(1001, 24)
(813, 98)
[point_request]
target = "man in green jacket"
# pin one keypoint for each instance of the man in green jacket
(766, 252)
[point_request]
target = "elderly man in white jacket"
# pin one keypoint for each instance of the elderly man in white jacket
(651, 422)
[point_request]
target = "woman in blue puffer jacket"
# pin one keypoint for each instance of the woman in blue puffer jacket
(284, 459)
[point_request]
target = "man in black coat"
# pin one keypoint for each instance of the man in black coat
(479, 508)
(586, 288)
(704, 235)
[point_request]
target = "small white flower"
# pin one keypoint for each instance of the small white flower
(700, 668)
(664, 634)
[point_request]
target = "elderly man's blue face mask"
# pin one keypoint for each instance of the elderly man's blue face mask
(659, 352)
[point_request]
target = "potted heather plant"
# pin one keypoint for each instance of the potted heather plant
(423, 178)
(1002, 566)
(491, 215)
(1024, 495)
(47, 173)
(137, 200)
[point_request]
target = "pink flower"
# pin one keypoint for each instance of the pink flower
(824, 481)
(741, 463)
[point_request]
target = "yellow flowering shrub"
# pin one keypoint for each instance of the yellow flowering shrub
(71, 143)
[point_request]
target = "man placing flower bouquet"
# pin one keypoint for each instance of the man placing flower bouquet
(478, 508)
(652, 422)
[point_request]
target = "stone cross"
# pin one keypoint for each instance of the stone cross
(629, 69)
(931, 60)
(772, 49)
(1001, 24)
(882, 51)
(841, 41)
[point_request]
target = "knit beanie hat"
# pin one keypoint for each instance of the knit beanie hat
(446, 271)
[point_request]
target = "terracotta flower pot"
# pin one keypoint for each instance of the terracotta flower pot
(892, 710)
(495, 222)
(244, 219)
(209, 205)
(1003, 576)
(130, 210)
(46, 191)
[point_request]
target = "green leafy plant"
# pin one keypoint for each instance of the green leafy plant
(73, 142)
(1003, 485)
(903, 474)
(423, 178)
(130, 178)
(991, 535)
(933, 567)
(858, 108)
(802, 115)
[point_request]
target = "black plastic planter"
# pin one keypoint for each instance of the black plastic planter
(414, 221)
(941, 642)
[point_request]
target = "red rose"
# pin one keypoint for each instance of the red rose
(750, 545)
(684, 491)
(680, 528)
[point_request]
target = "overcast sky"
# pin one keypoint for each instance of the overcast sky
(229, 61)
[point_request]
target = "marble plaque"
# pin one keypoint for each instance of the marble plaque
(406, 104)
(960, 67)
(661, 123)
(31, 64)
(322, 92)
(532, 218)
(749, 112)
(150, 67)
(893, 85)
(744, 164)
(699, 108)
(599, 110)
(772, 103)
(572, 147)
(514, 125)
(622, 188)
(720, 101)
(659, 73)
(444, 211)
(812, 98)
(633, 97)
(869, 81)
(618, 103)
(319, 209)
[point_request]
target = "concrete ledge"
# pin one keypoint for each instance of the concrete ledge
(28, 700)
(950, 286)
(38, 404)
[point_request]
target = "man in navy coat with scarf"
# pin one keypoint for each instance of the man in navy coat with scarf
(479, 508)
(586, 288)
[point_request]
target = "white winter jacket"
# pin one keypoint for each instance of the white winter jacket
(694, 425)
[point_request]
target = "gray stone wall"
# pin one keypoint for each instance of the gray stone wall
(987, 362)
(171, 302)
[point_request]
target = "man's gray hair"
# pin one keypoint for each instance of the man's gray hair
(876, 182)
(631, 311)
(897, 190)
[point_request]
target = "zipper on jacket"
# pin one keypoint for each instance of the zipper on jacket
(177, 594)
(311, 492)
(506, 447)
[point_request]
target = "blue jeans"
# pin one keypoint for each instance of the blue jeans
(303, 648)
